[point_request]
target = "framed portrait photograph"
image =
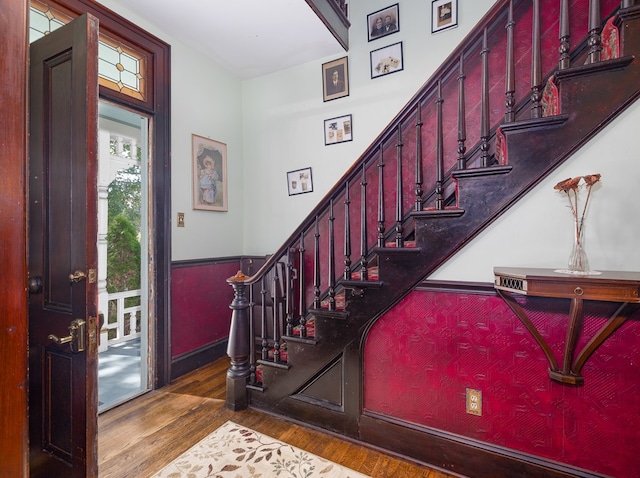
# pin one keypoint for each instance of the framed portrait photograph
(335, 79)
(386, 60)
(338, 130)
(299, 181)
(383, 22)
(444, 15)
(209, 158)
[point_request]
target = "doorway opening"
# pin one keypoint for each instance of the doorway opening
(123, 251)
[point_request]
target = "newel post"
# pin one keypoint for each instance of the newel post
(238, 348)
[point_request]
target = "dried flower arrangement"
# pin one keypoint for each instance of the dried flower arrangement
(578, 260)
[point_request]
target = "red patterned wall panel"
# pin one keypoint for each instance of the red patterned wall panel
(200, 298)
(422, 355)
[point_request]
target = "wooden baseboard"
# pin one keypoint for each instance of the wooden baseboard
(195, 359)
(457, 454)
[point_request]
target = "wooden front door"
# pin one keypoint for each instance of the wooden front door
(62, 209)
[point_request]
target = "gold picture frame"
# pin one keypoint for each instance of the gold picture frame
(209, 159)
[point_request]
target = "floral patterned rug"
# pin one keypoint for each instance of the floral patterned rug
(234, 451)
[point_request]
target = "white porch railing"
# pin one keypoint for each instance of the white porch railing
(124, 331)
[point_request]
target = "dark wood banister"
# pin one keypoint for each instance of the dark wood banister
(497, 17)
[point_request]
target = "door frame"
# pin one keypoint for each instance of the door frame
(14, 432)
(157, 107)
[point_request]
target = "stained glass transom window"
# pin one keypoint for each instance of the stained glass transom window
(120, 67)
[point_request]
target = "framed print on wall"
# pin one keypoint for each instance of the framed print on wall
(335, 79)
(209, 160)
(300, 181)
(337, 130)
(383, 22)
(386, 60)
(444, 15)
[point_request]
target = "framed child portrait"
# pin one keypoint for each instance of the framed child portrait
(209, 158)
(444, 15)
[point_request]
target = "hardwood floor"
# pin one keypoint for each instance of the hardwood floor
(139, 438)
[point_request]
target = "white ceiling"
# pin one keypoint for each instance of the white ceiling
(250, 38)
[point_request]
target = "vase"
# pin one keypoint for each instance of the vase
(578, 260)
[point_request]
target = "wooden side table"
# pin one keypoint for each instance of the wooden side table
(609, 286)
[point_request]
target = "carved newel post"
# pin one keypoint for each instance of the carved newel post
(238, 348)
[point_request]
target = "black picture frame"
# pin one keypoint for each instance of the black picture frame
(300, 181)
(383, 22)
(386, 60)
(444, 15)
(340, 69)
(338, 130)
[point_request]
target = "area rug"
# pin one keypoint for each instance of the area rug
(234, 451)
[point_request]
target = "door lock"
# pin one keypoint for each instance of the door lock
(77, 276)
(76, 337)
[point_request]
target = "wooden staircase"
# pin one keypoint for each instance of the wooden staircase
(446, 167)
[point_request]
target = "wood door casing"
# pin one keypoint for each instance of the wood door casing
(13, 280)
(62, 204)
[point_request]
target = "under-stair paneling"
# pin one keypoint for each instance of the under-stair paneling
(422, 355)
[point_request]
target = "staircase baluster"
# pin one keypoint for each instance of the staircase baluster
(536, 69)
(564, 35)
(364, 272)
(381, 199)
(316, 268)
(419, 158)
(303, 306)
(252, 334)
(263, 321)
(347, 234)
(399, 196)
(332, 280)
(510, 88)
(462, 122)
(275, 297)
(439, 155)
(287, 298)
(484, 123)
(595, 48)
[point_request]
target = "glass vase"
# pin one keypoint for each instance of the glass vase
(578, 260)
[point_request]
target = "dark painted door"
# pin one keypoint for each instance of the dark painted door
(62, 210)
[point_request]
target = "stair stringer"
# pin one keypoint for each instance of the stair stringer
(534, 149)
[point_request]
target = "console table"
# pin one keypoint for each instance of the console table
(609, 286)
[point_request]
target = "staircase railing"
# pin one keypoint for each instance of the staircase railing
(493, 78)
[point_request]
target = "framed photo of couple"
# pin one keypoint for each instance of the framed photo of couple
(209, 159)
(383, 22)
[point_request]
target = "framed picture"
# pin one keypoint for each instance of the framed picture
(383, 22)
(386, 60)
(444, 14)
(209, 174)
(300, 181)
(335, 79)
(337, 130)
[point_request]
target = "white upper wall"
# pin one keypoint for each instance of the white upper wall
(205, 100)
(274, 124)
(284, 114)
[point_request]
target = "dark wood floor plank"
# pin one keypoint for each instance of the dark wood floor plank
(142, 436)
